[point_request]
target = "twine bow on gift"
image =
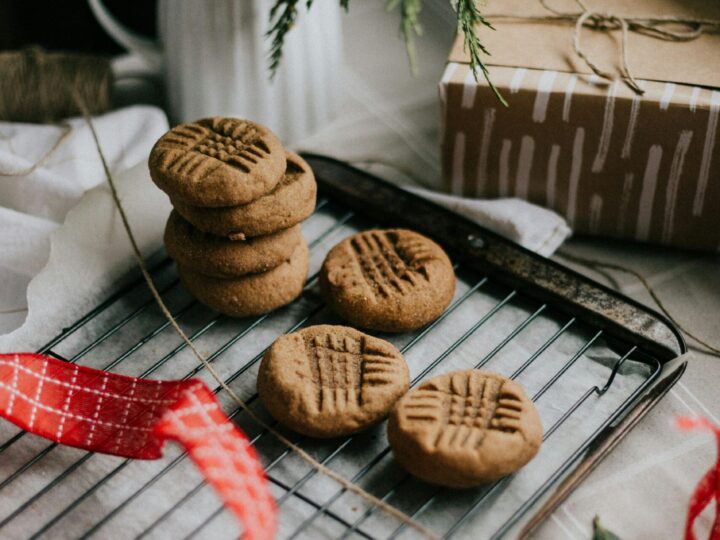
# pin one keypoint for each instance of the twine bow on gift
(669, 28)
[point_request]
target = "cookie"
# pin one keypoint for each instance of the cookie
(390, 280)
(464, 429)
(328, 381)
(219, 257)
(254, 294)
(289, 203)
(217, 162)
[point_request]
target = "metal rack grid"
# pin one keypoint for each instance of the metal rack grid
(582, 378)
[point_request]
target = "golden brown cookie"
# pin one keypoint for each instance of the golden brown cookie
(464, 428)
(289, 203)
(219, 257)
(328, 381)
(254, 294)
(391, 280)
(217, 162)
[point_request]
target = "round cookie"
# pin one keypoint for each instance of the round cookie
(254, 294)
(464, 429)
(219, 257)
(328, 381)
(217, 162)
(292, 200)
(391, 280)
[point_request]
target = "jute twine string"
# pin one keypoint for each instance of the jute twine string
(595, 264)
(67, 129)
(346, 484)
(12, 311)
(668, 28)
(38, 87)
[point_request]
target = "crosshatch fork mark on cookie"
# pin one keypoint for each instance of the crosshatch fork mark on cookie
(391, 264)
(238, 146)
(342, 366)
(466, 410)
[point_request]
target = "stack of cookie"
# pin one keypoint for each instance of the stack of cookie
(238, 199)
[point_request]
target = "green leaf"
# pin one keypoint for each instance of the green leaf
(601, 533)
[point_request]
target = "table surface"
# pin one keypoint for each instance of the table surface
(641, 490)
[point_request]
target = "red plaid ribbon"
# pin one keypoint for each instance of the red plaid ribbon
(708, 489)
(130, 417)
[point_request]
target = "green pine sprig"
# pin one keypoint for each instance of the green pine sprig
(601, 533)
(282, 18)
(409, 25)
(469, 19)
(284, 13)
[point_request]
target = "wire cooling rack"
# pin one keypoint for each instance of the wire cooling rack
(592, 361)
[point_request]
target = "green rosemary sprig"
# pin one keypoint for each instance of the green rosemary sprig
(469, 18)
(282, 19)
(409, 25)
(284, 13)
(601, 533)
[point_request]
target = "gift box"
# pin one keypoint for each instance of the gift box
(641, 164)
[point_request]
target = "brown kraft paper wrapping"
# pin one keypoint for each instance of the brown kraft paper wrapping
(612, 162)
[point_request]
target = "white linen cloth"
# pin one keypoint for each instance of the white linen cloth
(33, 206)
(533, 227)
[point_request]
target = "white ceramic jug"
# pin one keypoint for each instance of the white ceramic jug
(214, 59)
